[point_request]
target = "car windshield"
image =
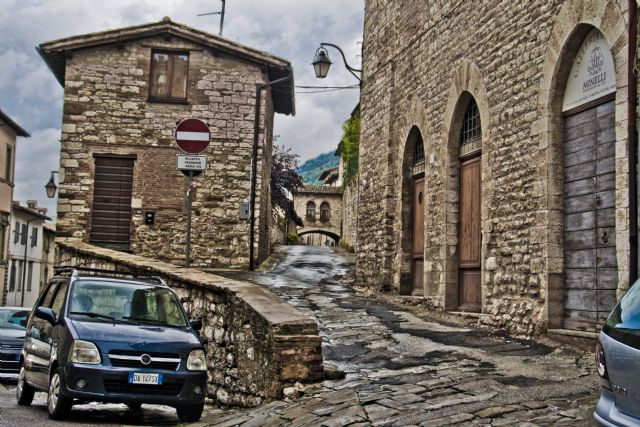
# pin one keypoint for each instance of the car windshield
(121, 302)
(624, 321)
(13, 318)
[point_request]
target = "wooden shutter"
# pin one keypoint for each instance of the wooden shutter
(111, 212)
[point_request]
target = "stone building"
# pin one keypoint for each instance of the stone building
(125, 90)
(320, 207)
(9, 130)
(494, 158)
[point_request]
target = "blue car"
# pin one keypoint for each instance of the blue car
(618, 364)
(104, 339)
(13, 321)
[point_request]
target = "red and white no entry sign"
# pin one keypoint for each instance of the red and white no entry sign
(192, 136)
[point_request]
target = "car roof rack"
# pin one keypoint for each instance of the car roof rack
(73, 272)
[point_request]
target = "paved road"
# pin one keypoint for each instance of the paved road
(403, 370)
(400, 369)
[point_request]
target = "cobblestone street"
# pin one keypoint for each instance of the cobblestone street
(403, 370)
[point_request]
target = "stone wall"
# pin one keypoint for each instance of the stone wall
(256, 344)
(421, 62)
(319, 195)
(106, 111)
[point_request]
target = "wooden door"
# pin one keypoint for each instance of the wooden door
(111, 211)
(590, 263)
(417, 251)
(469, 242)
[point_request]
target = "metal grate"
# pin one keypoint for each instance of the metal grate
(418, 156)
(471, 136)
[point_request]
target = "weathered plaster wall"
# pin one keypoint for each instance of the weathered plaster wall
(256, 344)
(106, 111)
(420, 60)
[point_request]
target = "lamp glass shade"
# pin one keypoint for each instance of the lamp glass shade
(51, 188)
(321, 63)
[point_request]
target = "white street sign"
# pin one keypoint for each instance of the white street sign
(191, 163)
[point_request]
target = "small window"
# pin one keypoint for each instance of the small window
(325, 211)
(29, 275)
(12, 278)
(471, 137)
(311, 210)
(16, 232)
(7, 169)
(169, 72)
(34, 237)
(23, 236)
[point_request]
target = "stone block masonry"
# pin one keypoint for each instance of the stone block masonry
(256, 344)
(422, 63)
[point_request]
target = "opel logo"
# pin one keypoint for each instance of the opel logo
(145, 359)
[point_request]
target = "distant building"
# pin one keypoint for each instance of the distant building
(26, 254)
(9, 130)
(332, 177)
(124, 92)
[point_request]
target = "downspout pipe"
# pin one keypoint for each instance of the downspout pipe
(254, 165)
(632, 138)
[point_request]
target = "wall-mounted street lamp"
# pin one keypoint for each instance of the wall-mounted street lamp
(321, 63)
(51, 186)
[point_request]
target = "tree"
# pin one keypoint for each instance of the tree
(284, 180)
(349, 147)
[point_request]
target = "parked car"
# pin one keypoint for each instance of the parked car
(13, 322)
(618, 364)
(105, 339)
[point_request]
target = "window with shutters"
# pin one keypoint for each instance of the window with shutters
(29, 275)
(112, 191)
(34, 237)
(9, 162)
(19, 278)
(169, 76)
(16, 232)
(12, 277)
(23, 234)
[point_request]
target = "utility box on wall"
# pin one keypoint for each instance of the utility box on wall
(244, 210)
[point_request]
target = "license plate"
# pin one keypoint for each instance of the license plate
(144, 378)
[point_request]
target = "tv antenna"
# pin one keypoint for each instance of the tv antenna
(221, 13)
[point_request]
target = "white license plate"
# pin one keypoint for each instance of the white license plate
(144, 378)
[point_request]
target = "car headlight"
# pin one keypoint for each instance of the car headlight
(197, 361)
(84, 352)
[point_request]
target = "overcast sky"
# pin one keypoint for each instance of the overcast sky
(291, 29)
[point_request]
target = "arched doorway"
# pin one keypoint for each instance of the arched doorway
(413, 215)
(469, 259)
(589, 180)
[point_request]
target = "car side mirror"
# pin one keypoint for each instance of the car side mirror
(45, 313)
(196, 324)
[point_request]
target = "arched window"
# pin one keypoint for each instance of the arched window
(325, 211)
(311, 210)
(471, 135)
(418, 156)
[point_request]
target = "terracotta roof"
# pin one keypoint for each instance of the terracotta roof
(55, 53)
(318, 189)
(31, 212)
(13, 125)
(328, 172)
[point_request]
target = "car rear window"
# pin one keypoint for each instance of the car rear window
(105, 301)
(623, 323)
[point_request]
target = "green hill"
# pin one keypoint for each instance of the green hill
(313, 168)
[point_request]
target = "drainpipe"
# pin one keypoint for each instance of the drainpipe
(632, 139)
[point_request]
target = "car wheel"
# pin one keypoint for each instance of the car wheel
(24, 392)
(134, 406)
(58, 405)
(190, 413)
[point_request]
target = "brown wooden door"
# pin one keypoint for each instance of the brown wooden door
(591, 273)
(111, 211)
(418, 236)
(469, 243)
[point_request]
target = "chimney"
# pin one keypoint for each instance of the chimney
(43, 211)
(32, 204)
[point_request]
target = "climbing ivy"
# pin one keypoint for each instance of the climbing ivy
(349, 146)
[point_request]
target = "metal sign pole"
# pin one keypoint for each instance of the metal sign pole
(189, 200)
